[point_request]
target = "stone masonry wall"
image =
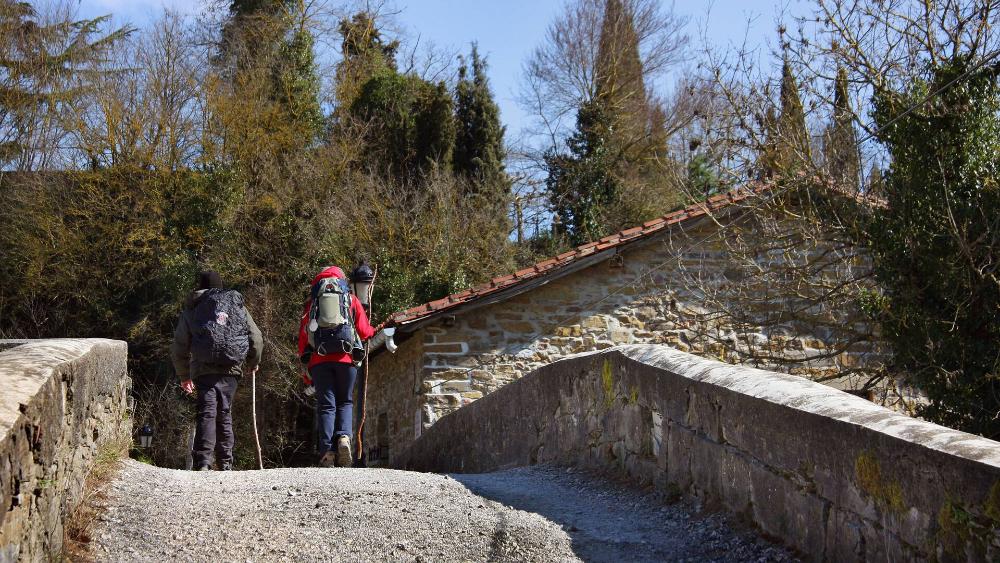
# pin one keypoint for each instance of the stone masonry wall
(394, 407)
(833, 475)
(63, 401)
(611, 303)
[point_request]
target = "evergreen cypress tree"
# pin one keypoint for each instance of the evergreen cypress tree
(364, 54)
(618, 73)
(787, 147)
(410, 125)
(259, 36)
(434, 142)
(479, 148)
(875, 185)
(840, 141)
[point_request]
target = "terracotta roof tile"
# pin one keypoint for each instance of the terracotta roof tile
(546, 264)
(555, 263)
(565, 255)
(440, 303)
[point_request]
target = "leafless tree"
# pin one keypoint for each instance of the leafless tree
(147, 111)
(790, 262)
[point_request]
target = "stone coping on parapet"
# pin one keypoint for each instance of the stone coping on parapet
(25, 367)
(809, 396)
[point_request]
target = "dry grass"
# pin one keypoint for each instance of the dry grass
(78, 528)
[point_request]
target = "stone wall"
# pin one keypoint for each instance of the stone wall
(63, 401)
(831, 474)
(642, 296)
(394, 387)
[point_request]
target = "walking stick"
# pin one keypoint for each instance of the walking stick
(253, 401)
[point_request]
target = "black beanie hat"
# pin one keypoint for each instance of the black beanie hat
(209, 279)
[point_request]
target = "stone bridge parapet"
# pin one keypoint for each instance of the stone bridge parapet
(63, 403)
(830, 474)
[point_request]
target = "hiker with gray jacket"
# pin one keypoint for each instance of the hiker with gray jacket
(215, 335)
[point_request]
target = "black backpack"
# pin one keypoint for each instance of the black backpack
(331, 319)
(220, 331)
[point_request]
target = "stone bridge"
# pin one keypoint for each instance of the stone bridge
(632, 453)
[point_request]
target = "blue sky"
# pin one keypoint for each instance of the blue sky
(508, 30)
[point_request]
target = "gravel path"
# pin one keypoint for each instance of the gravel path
(530, 514)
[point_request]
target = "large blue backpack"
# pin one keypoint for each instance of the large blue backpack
(331, 321)
(220, 332)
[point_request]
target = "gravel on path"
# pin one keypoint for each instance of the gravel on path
(312, 514)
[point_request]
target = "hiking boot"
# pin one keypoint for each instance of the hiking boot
(226, 467)
(203, 468)
(329, 459)
(343, 451)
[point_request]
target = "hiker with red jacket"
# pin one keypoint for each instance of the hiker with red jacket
(331, 333)
(215, 335)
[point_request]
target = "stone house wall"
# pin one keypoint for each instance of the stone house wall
(635, 298)
(394, 406)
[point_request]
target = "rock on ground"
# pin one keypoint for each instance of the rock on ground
(527, 514)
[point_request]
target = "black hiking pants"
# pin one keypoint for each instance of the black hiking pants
(214, 433)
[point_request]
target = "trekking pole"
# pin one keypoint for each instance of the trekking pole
(253, 402)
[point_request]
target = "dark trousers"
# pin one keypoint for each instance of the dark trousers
(214, 433)
(334, 383)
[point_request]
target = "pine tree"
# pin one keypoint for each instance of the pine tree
(841, 140)
(37, 65)
(581, 185)
(479, 148)
(787, 148)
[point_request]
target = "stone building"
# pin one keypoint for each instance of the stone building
(648, 284)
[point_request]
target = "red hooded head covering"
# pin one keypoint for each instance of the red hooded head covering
(329, 272)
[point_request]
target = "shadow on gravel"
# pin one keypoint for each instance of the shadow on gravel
(597, 531)
(608, 522)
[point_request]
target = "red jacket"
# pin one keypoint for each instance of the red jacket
(361, 324)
